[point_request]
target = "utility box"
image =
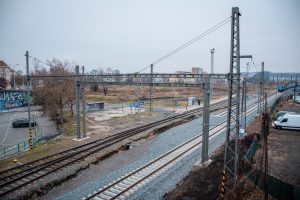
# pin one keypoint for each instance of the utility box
(94, 106)
(191, 101)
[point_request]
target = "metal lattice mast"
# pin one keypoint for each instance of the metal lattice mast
(233, 123)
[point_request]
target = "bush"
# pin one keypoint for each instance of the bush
(94, 88)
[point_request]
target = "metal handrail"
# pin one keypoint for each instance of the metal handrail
(19, 147)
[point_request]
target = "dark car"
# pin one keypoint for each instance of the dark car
(23, 123)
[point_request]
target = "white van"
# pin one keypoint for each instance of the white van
(288, 121)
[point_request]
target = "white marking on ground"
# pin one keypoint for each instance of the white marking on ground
(108, 114)
(6, 133)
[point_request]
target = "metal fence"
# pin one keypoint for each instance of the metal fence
(22, 146)
(277, 188)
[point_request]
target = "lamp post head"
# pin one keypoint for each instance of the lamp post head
(212, 50)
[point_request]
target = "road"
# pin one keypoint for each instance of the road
(10, 136)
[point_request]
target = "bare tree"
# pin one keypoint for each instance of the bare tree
(56, 94)
(3, 83)
(20, 78)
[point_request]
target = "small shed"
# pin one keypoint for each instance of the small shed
(94, 106)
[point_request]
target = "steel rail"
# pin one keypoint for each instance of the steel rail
(147, 165)
(110, 186)
(15, 182)
(157, 160)
(27, 165)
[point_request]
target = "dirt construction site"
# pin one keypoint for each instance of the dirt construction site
(283, 167)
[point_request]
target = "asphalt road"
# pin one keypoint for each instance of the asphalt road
(10, 136)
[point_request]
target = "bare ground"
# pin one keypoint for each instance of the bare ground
(201, 183)
(284, 163)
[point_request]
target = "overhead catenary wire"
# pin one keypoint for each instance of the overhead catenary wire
(190, 42)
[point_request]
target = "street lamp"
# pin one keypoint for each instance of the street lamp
(14, 75)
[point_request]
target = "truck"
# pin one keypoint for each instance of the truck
(288, 121)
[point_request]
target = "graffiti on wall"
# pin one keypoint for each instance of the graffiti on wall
(12, 99)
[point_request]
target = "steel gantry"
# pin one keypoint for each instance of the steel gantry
(229, 179)
(139, 79)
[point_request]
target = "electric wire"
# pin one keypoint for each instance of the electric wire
(192, 41)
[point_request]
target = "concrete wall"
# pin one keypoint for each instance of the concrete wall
(12, 99)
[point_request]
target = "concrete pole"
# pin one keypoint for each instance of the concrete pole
(151, 88)
(28, 89)
(262, 94)
(78, 101)
(246, 91)
(83, 106)
(212, 51)
(205, 127)
(258, 100)
(245, 105)
(243, 110)
(242, 106)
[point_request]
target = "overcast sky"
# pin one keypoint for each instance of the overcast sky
(130, 34)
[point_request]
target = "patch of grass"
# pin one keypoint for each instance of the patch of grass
(45, 146)
(68, 127)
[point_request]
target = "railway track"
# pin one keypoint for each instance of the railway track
(129, 183)
(20, 176)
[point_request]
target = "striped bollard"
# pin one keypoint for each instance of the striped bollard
(30, 139)
(223, 185)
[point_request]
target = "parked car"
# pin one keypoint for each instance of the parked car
(288, 121)
(23, 123)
